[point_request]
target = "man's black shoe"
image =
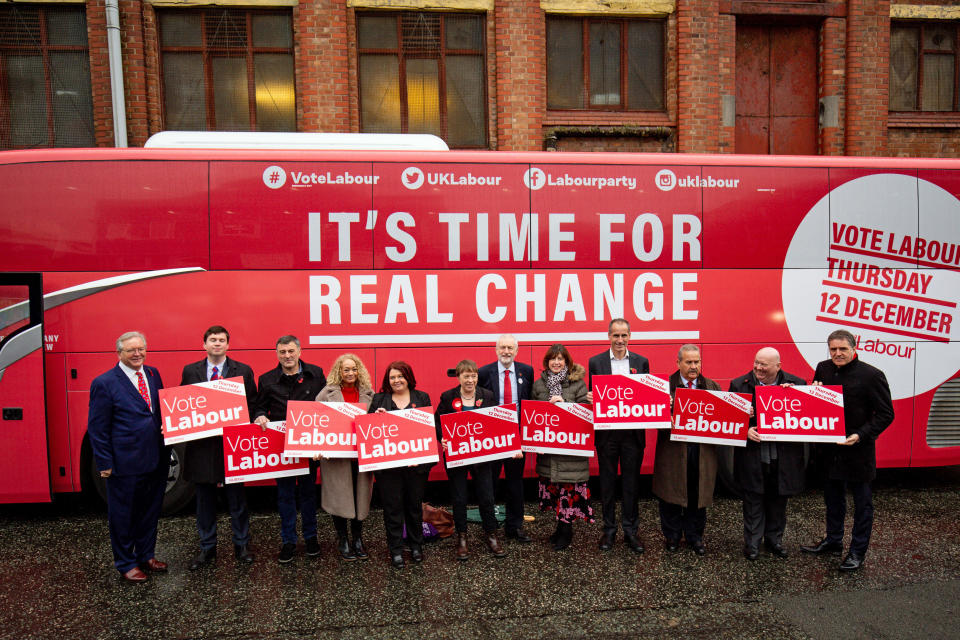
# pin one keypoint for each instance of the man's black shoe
(286, 552)
(205, 556)
(852, 562)
(606, 542)
(776, 549)
(671, 545)
(242, 553)
(397, 561)
(633, 542)
(519, 535)
(699, 548)
(750, 553)
(824, 546)
(313, 548)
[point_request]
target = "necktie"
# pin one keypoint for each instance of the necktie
(142, 386)
(689, 384)
(507, 388)
(215, 374)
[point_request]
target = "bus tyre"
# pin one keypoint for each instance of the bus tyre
(179, 491)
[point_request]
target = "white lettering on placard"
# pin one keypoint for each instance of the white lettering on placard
(793, 423)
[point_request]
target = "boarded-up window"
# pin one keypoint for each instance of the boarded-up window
(605, 64)
(45, 95)
(924, 65)
(227, 70)
(423, 72)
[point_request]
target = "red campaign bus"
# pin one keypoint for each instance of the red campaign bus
(428, 256)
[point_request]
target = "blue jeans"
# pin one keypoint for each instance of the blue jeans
(293, 492)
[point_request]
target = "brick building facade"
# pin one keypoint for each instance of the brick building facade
(832, 77)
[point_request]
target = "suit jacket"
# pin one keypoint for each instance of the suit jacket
(600, 365)
(418, 400)
(867, 411)
(485, 398)
(747, 467)
(273, 390)
(670, 462)
(124, 433)
(488, 377)
(203, 459)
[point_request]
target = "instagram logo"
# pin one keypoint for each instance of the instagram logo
(666, 180)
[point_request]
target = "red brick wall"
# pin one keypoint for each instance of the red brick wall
(521, 91)
(99, 73)
(698, 58)
(727, 48)
(630, 144)
(134, 71)
(924, 143)
(321, 67)
(833, 60)
(868, 68)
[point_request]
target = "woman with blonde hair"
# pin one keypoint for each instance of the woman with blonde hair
(345, 493)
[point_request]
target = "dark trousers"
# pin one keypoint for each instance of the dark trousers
(483, 486)
(207, 513)
(401, 495)
(621, 449)
(689, 520)
(294, 491)
(133, 509)
(835, 498)
(765, 514)
(513, 481)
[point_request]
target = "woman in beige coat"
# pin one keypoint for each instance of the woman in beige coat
(345, 493)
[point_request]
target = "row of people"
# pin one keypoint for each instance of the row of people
(125, 434)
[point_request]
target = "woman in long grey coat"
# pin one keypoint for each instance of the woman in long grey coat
(345, 492)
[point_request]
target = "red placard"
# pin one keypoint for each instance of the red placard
(632, 401)
(396, 439)
(322, 428)
(250, 453)
(202, 410)
(811, 413)
(562, 427)
(482, 434)
(711, 417)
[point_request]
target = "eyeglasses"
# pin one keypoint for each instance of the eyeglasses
(135, 350)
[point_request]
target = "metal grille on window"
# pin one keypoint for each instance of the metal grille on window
(421, 33)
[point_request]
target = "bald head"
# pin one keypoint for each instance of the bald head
(766, 365)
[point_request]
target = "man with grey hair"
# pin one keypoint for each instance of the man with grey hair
(766, 472)
(867, 411)
(124, 428)
(510, 382)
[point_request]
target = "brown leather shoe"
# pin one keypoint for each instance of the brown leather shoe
(155, 566)
(493, 543)
(462, 553)
(135, 575)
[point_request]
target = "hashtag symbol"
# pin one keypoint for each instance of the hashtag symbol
(274, 177)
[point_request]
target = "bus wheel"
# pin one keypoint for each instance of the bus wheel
(179, 491)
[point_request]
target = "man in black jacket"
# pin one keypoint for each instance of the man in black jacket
(767, 472)
(203, 459)
(292, 379)
(621, 448)
(867, 411)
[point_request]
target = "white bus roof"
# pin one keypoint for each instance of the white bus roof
(319, 141)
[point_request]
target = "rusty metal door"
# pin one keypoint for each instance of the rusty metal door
(776, 106)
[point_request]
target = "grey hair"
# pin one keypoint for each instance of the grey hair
(287, 340)
(126, 336)
(843, 334)
(687, 347)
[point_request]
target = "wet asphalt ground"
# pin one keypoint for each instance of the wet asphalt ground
(57, 580)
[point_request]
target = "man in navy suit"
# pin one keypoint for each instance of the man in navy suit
(623, 447)
(203, 458)
(511, 382)
(124, 429)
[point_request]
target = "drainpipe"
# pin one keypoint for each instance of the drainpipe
(116, 74)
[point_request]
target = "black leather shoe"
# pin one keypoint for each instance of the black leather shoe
(359, 550)
(313, 547)
(346, 551)
(852, 562)
(242, 553)
(556, 533)
(633, 542)
(671, 545)
(606, 542)
(777, 550)
(699, 548)
(416, 553)
(750, 553)
(824, 546)
(205, 556)
(397, 561)
(519, 535)
(564, 536)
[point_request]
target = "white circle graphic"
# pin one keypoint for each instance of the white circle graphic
(665, 180)
(849, 267)
(412, 178)
(534, 178)
(274, 177)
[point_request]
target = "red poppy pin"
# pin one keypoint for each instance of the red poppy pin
(479, 401)
(632, 370)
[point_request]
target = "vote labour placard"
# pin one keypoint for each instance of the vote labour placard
(482, 434)
(800, 414)
(711, 417)
(322, 428)
(632, 401)
(250, 453)
(202, 410)
(564, 427)
(396, 439)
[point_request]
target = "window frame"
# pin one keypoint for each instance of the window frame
(624, 23)
(208, 54)
(921, 54)
(44, 48)
(402, 56)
